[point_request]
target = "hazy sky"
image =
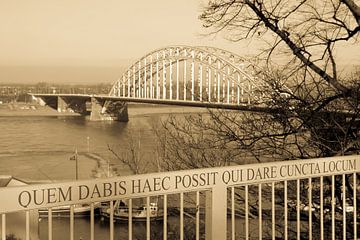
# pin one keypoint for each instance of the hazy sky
(93, 32)
(98, 33)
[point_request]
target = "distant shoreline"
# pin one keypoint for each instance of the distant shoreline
(29, 109)
(134, 110)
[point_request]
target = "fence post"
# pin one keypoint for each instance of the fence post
(216, 213)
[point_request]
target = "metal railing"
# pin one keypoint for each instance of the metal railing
(311, 199)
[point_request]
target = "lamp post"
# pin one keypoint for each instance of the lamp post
(108, 168)
(76, 165)
(88, 144)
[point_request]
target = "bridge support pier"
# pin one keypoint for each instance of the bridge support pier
(66, 104)
(62, 106)
(102, 110)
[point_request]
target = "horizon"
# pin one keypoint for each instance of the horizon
(82, 74)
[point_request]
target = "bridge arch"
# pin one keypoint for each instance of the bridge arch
(176, 75)
(188, 73)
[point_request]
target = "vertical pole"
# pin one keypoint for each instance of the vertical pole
(145, 82)
(92, 222)
(218, 83)
(50, 233)
(157, 76)
(333, 207)
(260, 211)
(130, 230)
(71, 222)
(197, 215)
(177, 74)
(344, 205)
(286, 210)
(117, 89)
(298, 209)
(232, 90)
(208, 215)
(129, 76)
(165, 218)
(192, 74)
(215, 83)
(148, 218)
(223, 86)
(76, 165)
(233, 233)
(151, 77)
(123, 86)
(273, 210)
(242, 92)
(216, 213)
(134, 83)
(246, 212)
(27, 235)
(139, 81)
(310, 208)
(3, 226)
(354, 205)
(228, 85)
(111, 220)
(201, 76)
(171, 74)
(219, 212)
(185, 73)
(321, 208)
(164, 76)
(209, 80)
(181, 216)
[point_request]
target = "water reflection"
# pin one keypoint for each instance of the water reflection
(61, 229)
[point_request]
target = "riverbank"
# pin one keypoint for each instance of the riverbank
(29, 109)
(134, 110)
(48, 168)
(58, 167)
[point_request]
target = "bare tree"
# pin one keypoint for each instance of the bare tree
(308, 30)
(314, 108)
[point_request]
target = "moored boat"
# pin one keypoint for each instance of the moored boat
(122, 212)
(80, 210)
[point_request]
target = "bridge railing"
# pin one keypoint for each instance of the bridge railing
(314, 198)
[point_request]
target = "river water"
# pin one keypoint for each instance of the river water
(39, 147)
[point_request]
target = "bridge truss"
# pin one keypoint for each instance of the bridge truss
(176, 75)
(190, 74)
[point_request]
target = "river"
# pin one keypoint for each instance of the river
(37, 146)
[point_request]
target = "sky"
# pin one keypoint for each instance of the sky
(95, 32)
(40, 37)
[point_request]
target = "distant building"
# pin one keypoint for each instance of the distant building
(10, 181)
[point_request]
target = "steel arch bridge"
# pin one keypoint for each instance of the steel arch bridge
(187, 73)
(175, 75)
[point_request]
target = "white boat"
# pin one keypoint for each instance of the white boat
(80, 210)
(121, 212)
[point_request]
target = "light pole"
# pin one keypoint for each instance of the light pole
(88, 144)
(76, 165)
